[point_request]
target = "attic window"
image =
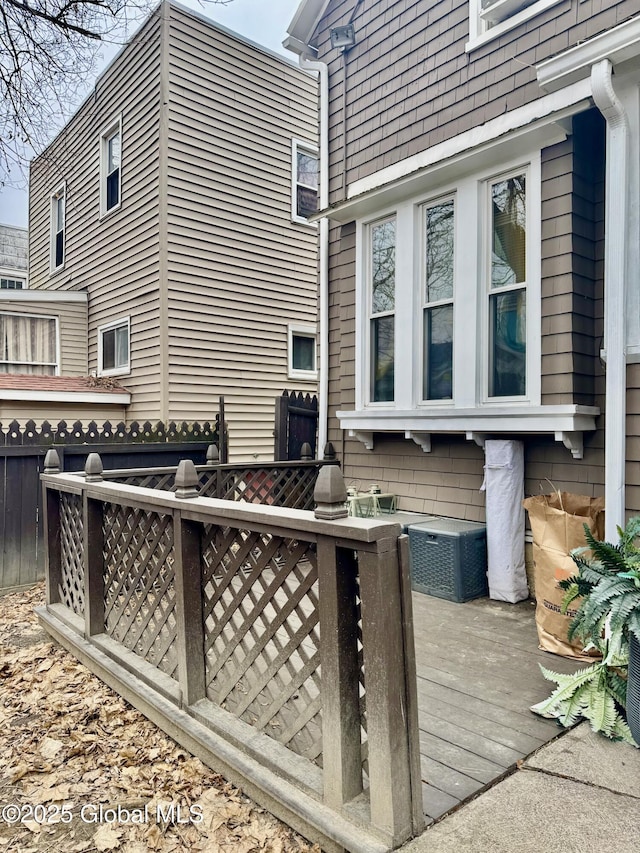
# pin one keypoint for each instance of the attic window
(495, 11)
(489, 18)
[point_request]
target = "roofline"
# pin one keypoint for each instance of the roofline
(303, 24)
(28, 295)
(185, 10)
(110, 397)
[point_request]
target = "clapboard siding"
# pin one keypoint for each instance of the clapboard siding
(238, 269)
(202, 256)
(410, 83)
(72, 329)
(114, 259)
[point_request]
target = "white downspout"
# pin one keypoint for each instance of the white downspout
(323, 377)
(615, 265)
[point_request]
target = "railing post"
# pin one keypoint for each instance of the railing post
(188, 586)
(341, 747)
(385, 672)
(53, 544)
(93, 547)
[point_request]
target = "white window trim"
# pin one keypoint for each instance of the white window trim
(56, 320)
(532, 285)
(470, 317)
(304, 330)
(421, 303)
(123, 370)
(480, 34)
(61, 189)
(115, 125)
(309, 148)
(15, 275)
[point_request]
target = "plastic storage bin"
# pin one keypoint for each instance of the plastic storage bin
(449, 558)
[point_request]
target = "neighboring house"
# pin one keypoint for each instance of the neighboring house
(478, 286)
(177, 198)
(43, 349)
(14, 257)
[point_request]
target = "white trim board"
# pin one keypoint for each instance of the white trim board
(111, 399)
(536, 125)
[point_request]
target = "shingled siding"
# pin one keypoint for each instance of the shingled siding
(447, 480)
(411, 85)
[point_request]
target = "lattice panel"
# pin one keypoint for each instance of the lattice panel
(262, 637)
(361, 685)
(71, 590)
(139, 584)
(291, 487)
(147, 481)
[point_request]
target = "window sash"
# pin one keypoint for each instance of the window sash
(303, 352)
(28, 344)
(306, 181)
(115, 347)
(12, 283)
(58, 229)
(382, 275)
(507, 330)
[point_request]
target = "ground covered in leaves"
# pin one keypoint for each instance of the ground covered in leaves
(81, 770)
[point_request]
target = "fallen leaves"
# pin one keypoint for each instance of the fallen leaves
(69, 743)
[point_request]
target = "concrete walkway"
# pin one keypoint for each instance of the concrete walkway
(578, 793)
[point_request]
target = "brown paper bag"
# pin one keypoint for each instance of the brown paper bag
(557, 524)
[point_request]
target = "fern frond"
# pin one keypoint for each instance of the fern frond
(600, 709)
(633, 624)
(617, 687)
(622, 732)
(567, 686)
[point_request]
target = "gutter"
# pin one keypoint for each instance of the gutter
(616, 214)
(323, 377)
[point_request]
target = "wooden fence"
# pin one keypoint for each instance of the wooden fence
(274, 643)
(22, 452)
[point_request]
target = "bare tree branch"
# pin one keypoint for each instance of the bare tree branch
(49, 53)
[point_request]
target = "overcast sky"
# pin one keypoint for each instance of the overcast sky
(262, 21)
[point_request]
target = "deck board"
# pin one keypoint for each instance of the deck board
(478, 675)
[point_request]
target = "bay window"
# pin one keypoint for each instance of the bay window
(448, 289)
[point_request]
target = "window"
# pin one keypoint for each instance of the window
(489, 18)
(382, 259)
(28, 344)
(12, 283)
(437, 380)
(302, 352)
(305, 184)
(507, 288)
(110, 167)
(58, 216)
(448, 300)
(113, 348)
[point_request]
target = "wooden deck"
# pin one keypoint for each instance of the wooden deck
(478, 675)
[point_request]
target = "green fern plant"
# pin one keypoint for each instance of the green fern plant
(608, 582)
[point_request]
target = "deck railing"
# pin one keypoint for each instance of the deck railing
(275, 643)
(289, 484)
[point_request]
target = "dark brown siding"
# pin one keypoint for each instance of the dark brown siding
(410, 84)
